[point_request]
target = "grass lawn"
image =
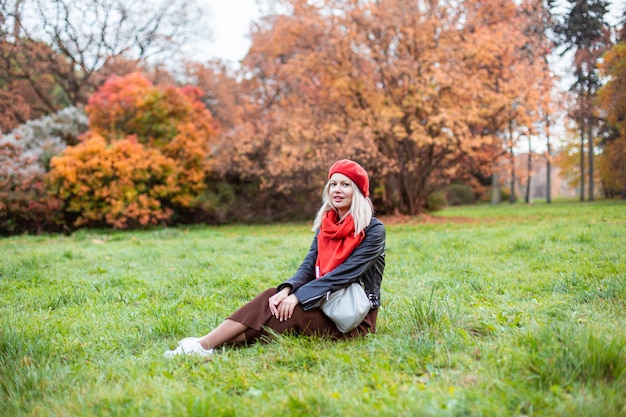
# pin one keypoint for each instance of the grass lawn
(487, 311)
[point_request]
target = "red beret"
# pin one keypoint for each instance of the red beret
(354, 171)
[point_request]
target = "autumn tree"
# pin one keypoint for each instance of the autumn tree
(221, 89)
(410, 89)
(284, 117)
(144, 159)
(23, 98)
(612, 100)
(513, 73)
(55, 53)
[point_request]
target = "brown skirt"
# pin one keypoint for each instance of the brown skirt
(256, 315)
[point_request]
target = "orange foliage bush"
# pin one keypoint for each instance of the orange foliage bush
(145, 157)
(123, 185)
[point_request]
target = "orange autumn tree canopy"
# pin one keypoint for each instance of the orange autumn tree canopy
(612, 99)
(145, 157)
(422, 93)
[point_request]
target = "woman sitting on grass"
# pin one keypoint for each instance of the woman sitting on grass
(348, 247)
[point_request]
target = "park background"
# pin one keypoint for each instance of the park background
(111, 117)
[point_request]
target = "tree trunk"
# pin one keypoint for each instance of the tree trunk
(582, 159)
(590, 143)
(548, 165)
(496, 195)
(17, 20)
(529, 175)
(512, 195)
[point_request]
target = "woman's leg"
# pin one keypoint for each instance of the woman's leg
(245, 320)
(229, 332)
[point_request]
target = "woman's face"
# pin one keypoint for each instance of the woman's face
(340, 192)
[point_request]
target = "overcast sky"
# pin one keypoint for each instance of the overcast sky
(230, 22)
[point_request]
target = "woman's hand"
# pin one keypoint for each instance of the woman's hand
(276, 299)
(282, 304)
(286, 307)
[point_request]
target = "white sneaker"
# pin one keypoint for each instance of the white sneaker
(188, 340)
(189, 346)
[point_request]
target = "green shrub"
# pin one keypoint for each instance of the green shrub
(436, 201)
(459, 194)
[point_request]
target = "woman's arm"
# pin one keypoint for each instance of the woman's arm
(363, 257)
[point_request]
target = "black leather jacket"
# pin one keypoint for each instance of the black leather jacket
(366, 263)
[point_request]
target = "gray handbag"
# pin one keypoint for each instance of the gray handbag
(347, 307)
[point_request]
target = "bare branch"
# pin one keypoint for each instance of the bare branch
(70, 41)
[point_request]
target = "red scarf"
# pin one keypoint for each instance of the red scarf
(335, 242)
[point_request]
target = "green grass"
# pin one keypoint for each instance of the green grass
(489, 311)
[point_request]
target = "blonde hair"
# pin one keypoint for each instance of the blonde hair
(361, 209)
